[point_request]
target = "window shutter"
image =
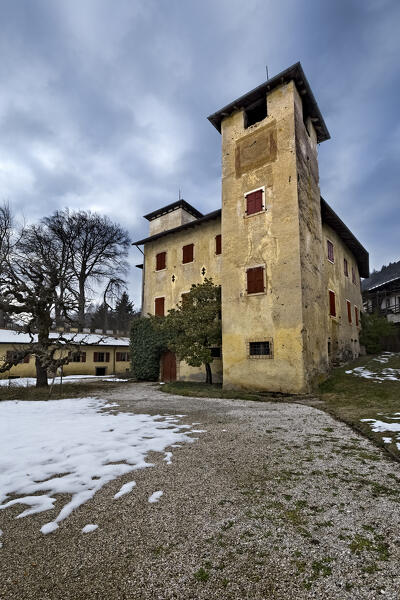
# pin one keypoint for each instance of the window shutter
(26, 358)
(254, 202)
(187, 253)
(161, 261)
(83, 356)
(118, 356)
(159, 304)
(107, 357)
(332, 304)
(95, 356)
(255, 280)
(331, 255)
(348, 310)
(218, 244)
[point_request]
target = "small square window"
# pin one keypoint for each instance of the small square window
(161, 261)
(255, 280)
(159, 307)
(331, 256)
(259, 349)
(254, 202)
(187, 253)
(255, 113)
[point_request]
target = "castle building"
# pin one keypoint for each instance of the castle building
(288, 267)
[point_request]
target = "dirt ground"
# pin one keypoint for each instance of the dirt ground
(274, 500)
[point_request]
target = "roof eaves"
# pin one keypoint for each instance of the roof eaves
(208, 217)
(295, 73)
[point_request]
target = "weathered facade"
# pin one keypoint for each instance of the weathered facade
(285, 302)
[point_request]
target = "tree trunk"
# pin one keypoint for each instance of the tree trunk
(41, 374)
(208, 373)
(81, 304)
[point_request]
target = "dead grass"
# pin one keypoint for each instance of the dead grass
(81, 389)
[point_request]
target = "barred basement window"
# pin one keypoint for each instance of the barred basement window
(259, 349)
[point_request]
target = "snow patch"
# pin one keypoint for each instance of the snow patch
(89, 528)
(125, 489)
(30, 381)
(155, 496)
(74, 447)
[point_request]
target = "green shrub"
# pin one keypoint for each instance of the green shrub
(374, 328)
(147, 345)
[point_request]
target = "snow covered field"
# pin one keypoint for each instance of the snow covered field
(27, 381)
(75, 447)
(375, 372)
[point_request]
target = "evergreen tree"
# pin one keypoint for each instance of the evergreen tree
(123, 313)
(194, 326)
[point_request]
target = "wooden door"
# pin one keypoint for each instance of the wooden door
(168, 366)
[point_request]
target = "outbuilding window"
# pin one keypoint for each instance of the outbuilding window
(122, 356)
(254, 202)
(187, 253)
(255, 280)
(159, 307)
(161, 261)
(79, 357)
(332, 303)
(101, 356)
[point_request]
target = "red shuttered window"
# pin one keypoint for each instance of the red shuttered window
(255, 280)
(161, 261)
(159, 304)
(254, 202)
(332, 304)
(356, 315)
(348, 310)
(346, 267)
(187, 253)
(218, 244)
(331, 255)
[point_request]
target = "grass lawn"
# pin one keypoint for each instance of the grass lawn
(370, 391)
(81, 389)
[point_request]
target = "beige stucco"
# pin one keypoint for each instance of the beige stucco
(170, 220)
(73, 368)
(279, 155)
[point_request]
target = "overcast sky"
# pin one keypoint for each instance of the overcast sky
(103, 103)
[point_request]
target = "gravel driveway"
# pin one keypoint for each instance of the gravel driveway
(274, 500)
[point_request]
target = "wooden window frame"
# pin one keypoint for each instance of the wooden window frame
(124, 354)
(218, 244)
(155, 305)
(330, 244)
(260, 340)
(187, 262)
(164, 253)
(264, 204)
(345, 267)
(349, 316)
(333, 315)
(105, 357)
(264, 280)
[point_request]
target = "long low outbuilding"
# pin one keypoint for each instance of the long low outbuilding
(97, 354)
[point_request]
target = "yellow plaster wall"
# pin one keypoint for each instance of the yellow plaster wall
(160, 284)
(73, 368)
(263, 155)
(170, 220)
(344, 337)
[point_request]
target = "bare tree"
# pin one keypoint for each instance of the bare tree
(98, 249)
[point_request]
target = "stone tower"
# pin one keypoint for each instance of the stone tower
(273, 300)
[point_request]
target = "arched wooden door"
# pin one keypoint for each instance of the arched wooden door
(168, 366)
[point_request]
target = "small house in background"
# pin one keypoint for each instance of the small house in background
(381, 292)
(97, 355)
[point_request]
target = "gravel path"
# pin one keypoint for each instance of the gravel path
(275, 500)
